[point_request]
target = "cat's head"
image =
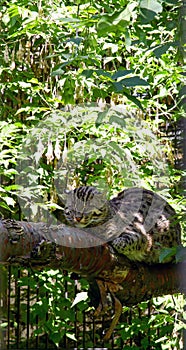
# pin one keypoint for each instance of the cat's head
(85, 206)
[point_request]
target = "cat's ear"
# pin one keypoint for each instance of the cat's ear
(103, 195)
(66, 193)
(103, 192)
(99, 200)
(62, 198)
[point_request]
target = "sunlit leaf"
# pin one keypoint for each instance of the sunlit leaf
(82, 296)
(9, 201)
(71, 336)
(152, 5)
(117, 21)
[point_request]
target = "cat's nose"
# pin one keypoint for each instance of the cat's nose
(78, 218)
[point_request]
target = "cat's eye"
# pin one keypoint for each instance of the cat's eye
(97, 211)
(68, 212)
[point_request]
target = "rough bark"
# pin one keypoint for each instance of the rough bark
(40, 246)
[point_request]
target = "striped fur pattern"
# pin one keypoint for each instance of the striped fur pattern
(149, 222)
(153, 225)
(86, 206)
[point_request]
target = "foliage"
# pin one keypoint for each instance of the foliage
(58, 304)
(61, 53)
(71, 53)
(108, 147)
(10, 139)
(163, 320)
(53, 306)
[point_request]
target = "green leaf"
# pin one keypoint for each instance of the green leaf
(87, 73)
(152, 5)
(57, 336)
(82, 296)
(133, 99)
(128, 40)
(117, 21)
(9, 201)
(34, 81)
(102, 72)
(167, 253)
(5, 206)
(2, 189)
(121, 73)
(12, 187)
(118, 87)
(149, 9)
(171, 2)
(113, 47)
(4, 324)
(120, 121)
(104, 25)
(57, 72)
(76, 40)
(24, 84)
(116, 148)
(161, 49)
(11, 171)
(101, 116)
(68, 20)
(71, 336)
(122, 17)
(147, 16)
(134, 81)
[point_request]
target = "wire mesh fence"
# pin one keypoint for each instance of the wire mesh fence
(23, 326)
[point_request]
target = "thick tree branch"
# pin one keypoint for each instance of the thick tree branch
(37, 245)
